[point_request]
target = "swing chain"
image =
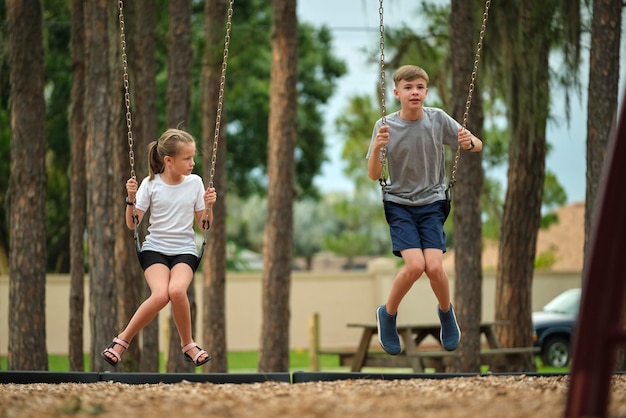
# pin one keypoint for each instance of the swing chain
(129, 122)
(206, 224)
(384, 175)
(470, 91)
(220, 99)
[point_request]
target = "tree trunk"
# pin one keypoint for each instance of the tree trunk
(278, 237)
(602, 105)
(78, 189)
(27, 187)
(214, 263)
(178, 114)
(140, 37)
(467, 191)
(602, 95)
(100, 109)
(528, 106)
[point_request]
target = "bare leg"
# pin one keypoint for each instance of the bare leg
(157, 277)
(181, 278)
(414, 264)
(438, 277)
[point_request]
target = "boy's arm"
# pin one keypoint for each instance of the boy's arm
(374, 165)
(468, 141)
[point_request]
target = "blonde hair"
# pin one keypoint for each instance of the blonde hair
(168, 145)
(409, 73)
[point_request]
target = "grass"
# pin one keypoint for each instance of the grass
(247, 361)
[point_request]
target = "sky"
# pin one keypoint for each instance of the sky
(355, 24)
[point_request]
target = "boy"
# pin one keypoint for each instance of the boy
(414, 198)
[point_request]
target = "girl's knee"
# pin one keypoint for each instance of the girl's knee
(177, 292)
(160, 299)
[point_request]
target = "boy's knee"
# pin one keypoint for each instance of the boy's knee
(414, 271)
(435, 272)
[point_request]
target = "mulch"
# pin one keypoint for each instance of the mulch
(477, 396)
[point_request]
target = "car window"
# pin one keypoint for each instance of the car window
(567, 302)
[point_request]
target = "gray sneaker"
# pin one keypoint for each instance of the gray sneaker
(450, 334)
(387, 331)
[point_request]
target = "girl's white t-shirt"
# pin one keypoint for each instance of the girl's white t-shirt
(172, 213)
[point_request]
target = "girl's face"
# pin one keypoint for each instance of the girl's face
(183, 162)
(411, 94)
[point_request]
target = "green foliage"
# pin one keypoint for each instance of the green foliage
(359, 228)
(340, 224)
(248, 93)
(246, 106)
(546, 259)
(313, 220)
(355, 124)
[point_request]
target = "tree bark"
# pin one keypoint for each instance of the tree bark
(602, 95)
(178, 114)
(467, 191)
(214, 263)
(78, 189)
(278, 237)
(27, 187)
(528, 106)
(142, 69)
(602, 106)
(101, 109)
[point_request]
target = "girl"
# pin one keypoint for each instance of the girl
(169, 255)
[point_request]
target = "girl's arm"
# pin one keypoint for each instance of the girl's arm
(131, 190)
(129, 215)
(210, 197)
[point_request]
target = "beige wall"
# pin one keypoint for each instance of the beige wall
(339, 298)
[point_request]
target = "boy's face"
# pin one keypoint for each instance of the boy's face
(411, 94)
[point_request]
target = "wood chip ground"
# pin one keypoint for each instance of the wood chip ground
(480, 396)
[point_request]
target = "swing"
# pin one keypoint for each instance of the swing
(218, 118)
(384, 173)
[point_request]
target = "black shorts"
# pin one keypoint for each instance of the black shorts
(148, 258)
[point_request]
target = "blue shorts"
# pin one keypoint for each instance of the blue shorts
(148, 258)
(416, 226)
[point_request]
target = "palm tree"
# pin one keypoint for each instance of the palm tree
(278, 238)
(27, 187)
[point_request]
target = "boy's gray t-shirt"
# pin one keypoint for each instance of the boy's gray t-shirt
(415, 156)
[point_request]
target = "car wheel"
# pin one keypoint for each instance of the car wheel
(555, 352)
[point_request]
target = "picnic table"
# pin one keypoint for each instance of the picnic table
(418, 358)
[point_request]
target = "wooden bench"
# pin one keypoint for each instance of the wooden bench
(345, 356)
(436, 359)
(493, 357)
(503, 357)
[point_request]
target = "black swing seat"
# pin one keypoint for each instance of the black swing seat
(138, 244)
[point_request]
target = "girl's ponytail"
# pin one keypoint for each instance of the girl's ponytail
(155, 161)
